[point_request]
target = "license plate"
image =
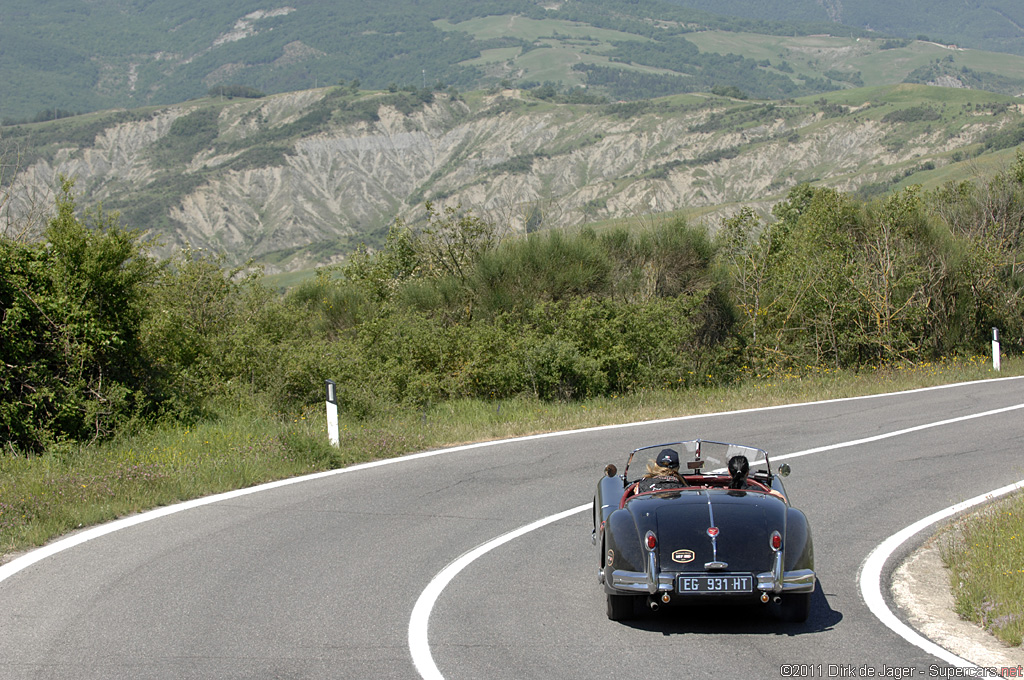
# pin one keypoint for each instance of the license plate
(719, 583)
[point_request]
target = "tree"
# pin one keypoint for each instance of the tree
(70, 345)
(378, 274)
(792, 277)
(986, 230)
(892, 280)
(453, 241)
(744, 249)
(20, 211)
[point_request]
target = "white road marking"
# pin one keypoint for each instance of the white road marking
(419, 643)
(896, 433)
(418, 622)
(871, 576)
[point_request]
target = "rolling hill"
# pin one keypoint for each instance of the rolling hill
(65, 56)
(994, 25)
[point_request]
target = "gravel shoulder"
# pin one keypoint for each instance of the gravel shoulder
(921, 589)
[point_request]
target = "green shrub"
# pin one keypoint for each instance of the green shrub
(541, 267)
(70, 332)
(556, 369)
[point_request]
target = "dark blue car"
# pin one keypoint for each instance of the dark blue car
(729, 535)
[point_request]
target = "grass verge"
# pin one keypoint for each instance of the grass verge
(985, 555)
(73, 486)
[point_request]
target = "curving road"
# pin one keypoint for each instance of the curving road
(318, 578)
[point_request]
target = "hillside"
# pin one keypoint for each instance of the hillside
(300, 179)
(63, 57)
(995, 25)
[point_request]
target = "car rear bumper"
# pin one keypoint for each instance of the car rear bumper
(639, 582)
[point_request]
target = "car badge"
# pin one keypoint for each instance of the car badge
(712, 531)
(683, 556)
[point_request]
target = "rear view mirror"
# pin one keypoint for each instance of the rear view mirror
(784, 470)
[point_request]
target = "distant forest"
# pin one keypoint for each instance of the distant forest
(61, 56)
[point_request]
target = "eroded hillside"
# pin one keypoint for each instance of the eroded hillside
(299, 179)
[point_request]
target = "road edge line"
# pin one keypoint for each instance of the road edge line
(871, 575)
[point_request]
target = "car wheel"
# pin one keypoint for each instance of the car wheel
(795, 608)
(621, 607)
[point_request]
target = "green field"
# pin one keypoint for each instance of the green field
(562, 44)
(566, 43)
(812, 55)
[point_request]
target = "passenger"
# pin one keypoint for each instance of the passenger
(662, 474)
(739, 468)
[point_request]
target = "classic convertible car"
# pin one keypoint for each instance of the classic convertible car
(728, 535)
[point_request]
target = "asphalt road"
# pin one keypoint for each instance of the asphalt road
(318, 579)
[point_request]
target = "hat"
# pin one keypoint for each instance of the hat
(668, 458)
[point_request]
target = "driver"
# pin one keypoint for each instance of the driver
(662, 474)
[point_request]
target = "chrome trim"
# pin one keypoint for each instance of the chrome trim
(652, 562)
(653, 577)
(777, 571)
(714, 539)
(718, 566)
(796, 581)
(638, 581)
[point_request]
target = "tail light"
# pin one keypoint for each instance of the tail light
(651, 541)
(776, 541)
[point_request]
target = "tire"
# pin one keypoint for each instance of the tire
(795, 608)
(621, 607)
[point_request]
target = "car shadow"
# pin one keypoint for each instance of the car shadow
(742, 619)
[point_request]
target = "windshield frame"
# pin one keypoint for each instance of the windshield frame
(696, 450)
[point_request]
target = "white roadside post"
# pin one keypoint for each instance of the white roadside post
(995, 348)
(332, 413)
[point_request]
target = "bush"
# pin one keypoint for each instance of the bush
(70, 334)
(187, 136)
(542, 267)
